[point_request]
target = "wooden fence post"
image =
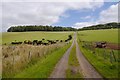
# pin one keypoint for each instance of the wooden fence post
(104, 54)
(111, 60)
(98, 52)
(29, 55)
(38, 54)
(113, 55)
(13, 62)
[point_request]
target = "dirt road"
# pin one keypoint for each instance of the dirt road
(87, 69)
(62, 65)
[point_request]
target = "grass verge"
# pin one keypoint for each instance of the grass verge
(44, 67)
(104, 67)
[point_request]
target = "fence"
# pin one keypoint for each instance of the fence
(106, 54)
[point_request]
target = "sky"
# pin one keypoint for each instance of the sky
(68, 14)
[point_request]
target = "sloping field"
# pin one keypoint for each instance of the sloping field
(110, 35)
(8, 37)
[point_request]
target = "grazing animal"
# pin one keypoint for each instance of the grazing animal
(35, 42)
(45, 43)
(57, 40)
(27, 42)
(61, 40)
(43, 39)
(16, 42)
(66, 40)
(39, 42)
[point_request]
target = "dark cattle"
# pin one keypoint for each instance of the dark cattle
(35, 42)
(51, 42)
(39, 42)
(66, 40)
(43, 39)
(69, 37)
(57, 40)
(61, 40)
(16, 42)
(27, 42)
(30, 42)
(48, 40)
(5, 44)
(45, 43)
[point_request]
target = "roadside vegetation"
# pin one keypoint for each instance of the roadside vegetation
(45, 66)
(17, 58)
(104, 60)
(73, 65)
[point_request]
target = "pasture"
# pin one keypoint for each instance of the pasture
(105, 60)
(18, 58)
(109, 35)
(8, 37)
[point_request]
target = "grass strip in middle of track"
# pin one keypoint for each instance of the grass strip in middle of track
(73, 65)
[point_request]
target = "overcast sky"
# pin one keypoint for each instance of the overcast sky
(71, 14)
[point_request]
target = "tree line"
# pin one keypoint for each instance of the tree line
(59, 28)
(101, 26)
(39, 28)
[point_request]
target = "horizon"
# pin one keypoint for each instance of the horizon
(76, 15)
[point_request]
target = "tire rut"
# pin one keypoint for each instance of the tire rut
(62, 65)
(86, 68)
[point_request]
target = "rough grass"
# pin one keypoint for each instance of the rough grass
(8, 37)
(72, 58)
(109, 35)
(73, 65)
(103, 66)
(22, 59)
(44, 67)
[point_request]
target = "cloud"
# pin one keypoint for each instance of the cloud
(0, 18)
(109, 15)
(53, 1)
(84, 24)
(86, 17)
(106, 16)
(44, 13)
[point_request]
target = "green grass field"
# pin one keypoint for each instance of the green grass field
(109, 35)
(49, 61)
(102, 65)
(8, 37)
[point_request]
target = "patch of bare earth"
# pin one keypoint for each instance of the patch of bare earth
(113, 46)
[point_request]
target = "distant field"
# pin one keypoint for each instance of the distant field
(109, 35)
(8, 37)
